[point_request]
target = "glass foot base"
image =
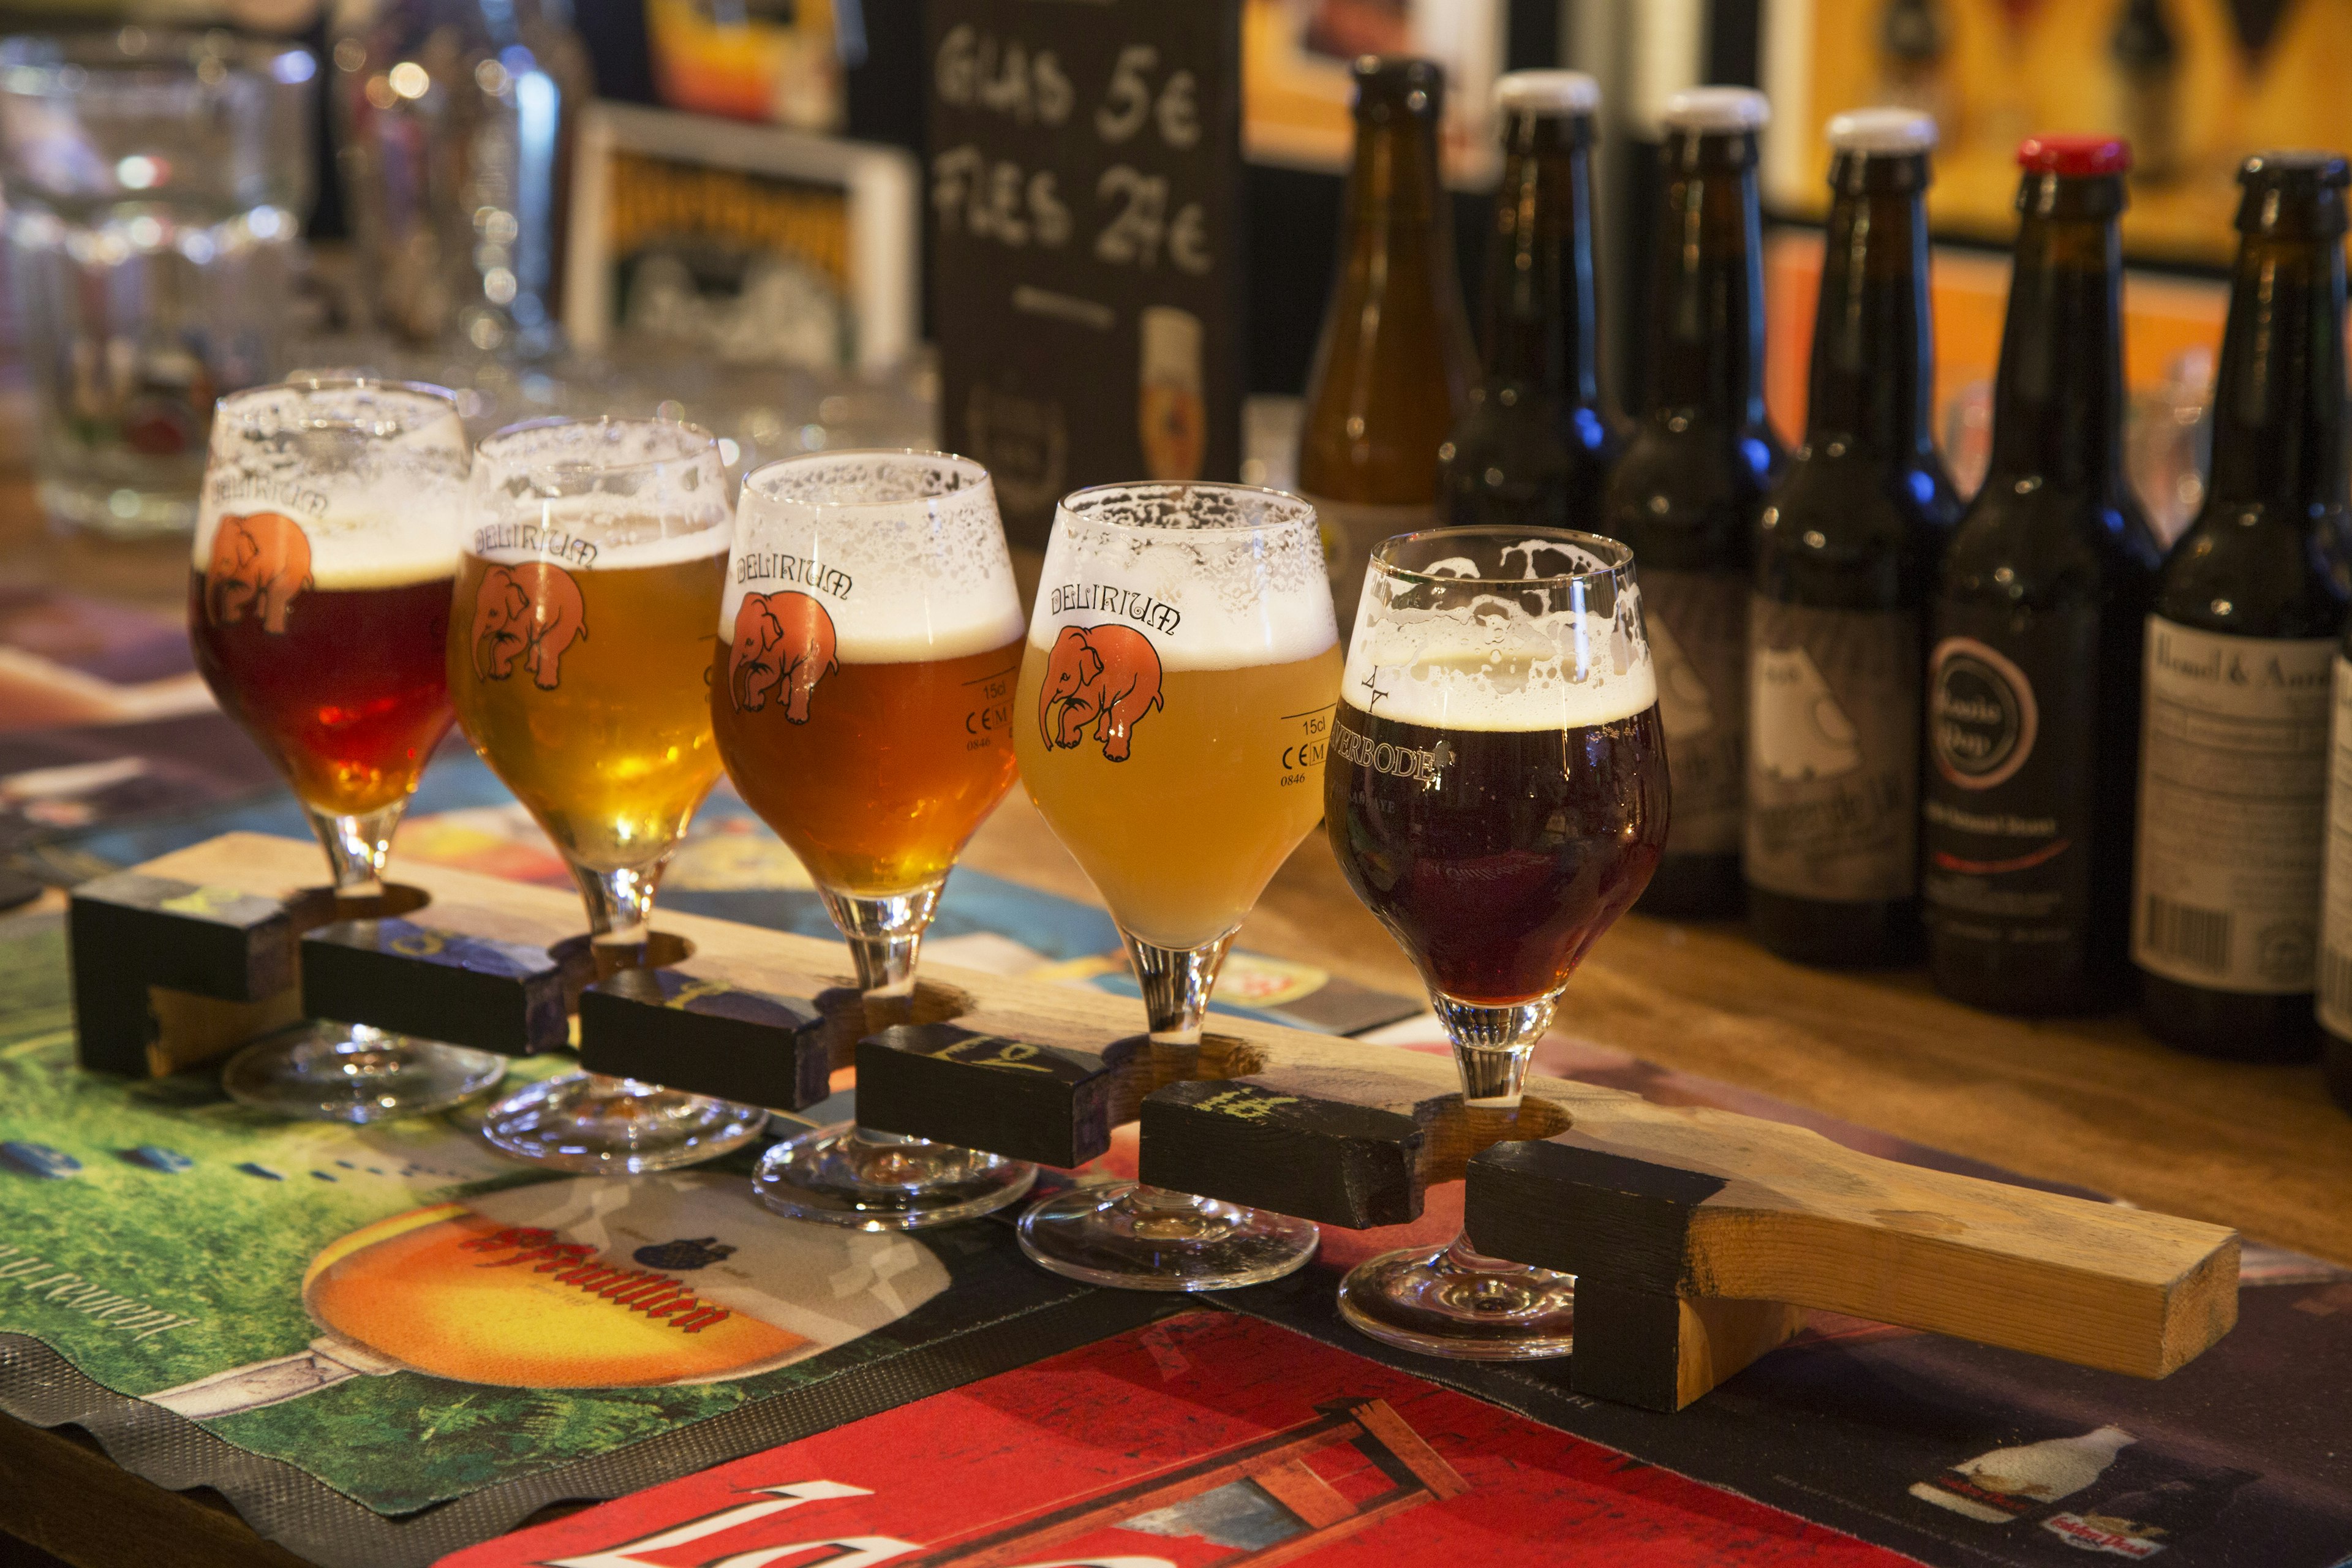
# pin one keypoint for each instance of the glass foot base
(880, 1181)
(1462, 1304)
(607, 1126)
(1135, 1238)
(350, 1072)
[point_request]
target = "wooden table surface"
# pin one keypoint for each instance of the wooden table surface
(2094, 1103)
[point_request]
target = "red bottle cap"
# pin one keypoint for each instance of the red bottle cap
(2075, 155)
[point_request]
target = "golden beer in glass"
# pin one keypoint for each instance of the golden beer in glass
(1176, 695)
(579, 641)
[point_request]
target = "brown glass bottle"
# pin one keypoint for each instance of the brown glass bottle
(1392, 369)
(2034, 671)
(1845, 552)
(1538, 441)
(2240, 649)
(1685, 495)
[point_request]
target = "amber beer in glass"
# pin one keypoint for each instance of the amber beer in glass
(317, 593)
(579, 640)
(861, 694)
(1175, 700)
(1496, 794)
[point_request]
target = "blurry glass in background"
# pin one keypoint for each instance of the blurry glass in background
(455, 120)
(152, 181)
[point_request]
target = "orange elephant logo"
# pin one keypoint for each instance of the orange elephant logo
(533, 611)
(260, 561)
(1108, 676)
(783, 647)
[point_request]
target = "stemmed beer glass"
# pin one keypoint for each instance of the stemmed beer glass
(1495, 793)
(862, 698)
(1182, 655)
(580, 636)
(326, 541)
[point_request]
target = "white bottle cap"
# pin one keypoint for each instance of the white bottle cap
(1717, 108)
(1884, 131)
(1548, 92)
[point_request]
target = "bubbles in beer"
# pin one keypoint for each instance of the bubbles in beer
(903, 549)
(1219, 577)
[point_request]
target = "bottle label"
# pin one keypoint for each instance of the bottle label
(1699, 646)
(1350, 528)
(2232, 803)
(2011, 790)
(2335, 901)
(1834, 751)
(2117, 1537)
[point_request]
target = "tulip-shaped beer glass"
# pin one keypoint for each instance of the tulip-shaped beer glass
(1183, 655)
(579, 641)
(326, 539)
(862, 696)
(1496, 792)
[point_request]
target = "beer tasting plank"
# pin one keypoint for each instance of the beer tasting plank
(1699, 1233)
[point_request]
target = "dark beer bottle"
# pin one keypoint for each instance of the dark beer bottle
(2249, 601)
(1845, 552)
(1538, 441)
(1392, 369)
(2038, 617)
(1687, 493)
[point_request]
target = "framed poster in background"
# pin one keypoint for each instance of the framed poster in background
(1296, 94)
(760, 245)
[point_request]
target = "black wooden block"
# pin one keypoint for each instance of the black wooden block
(501, 996)
(1010, 1097)
(705, 1037)
(1628, 1344)
(1322, 1160)
(1558, 1203)
(127, 932)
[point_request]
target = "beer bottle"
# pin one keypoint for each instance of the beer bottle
(2249, 602)
(2007, 1484)
(1685, 495)
(1392, 369)
(2038, 615)
(1845, 552)
(1538, 441)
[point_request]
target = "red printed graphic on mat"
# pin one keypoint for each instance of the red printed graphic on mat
(783, 647)
(1106, 676)
(1204, 1440)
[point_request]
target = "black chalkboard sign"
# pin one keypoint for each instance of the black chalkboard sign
(1085, 174)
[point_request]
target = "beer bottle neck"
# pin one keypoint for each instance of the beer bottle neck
(2278, 404)
(2058, 399)
(1873, 354)
(1392, 182)
(1539, 319)
(1706, 311)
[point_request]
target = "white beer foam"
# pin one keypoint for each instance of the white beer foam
(597, 533)
(904, 550)
(1218, 577)
(1489, 666)
(381, 512)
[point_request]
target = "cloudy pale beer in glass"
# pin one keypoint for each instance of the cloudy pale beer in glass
(1496, 796)
(1175, 700)
(317, 593)
(861, 693)
(580, 637)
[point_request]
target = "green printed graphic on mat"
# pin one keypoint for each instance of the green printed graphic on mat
(396, 1310)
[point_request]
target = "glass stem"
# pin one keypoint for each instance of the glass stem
(620, 919)
(357, 848)
(1492, 1045)
(885, 934)
(1176, 982)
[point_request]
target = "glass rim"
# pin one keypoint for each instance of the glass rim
(1144, 486)
(1616, 552)
(228, 406)
(162, 49)
(975, 471)
(708, 446)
